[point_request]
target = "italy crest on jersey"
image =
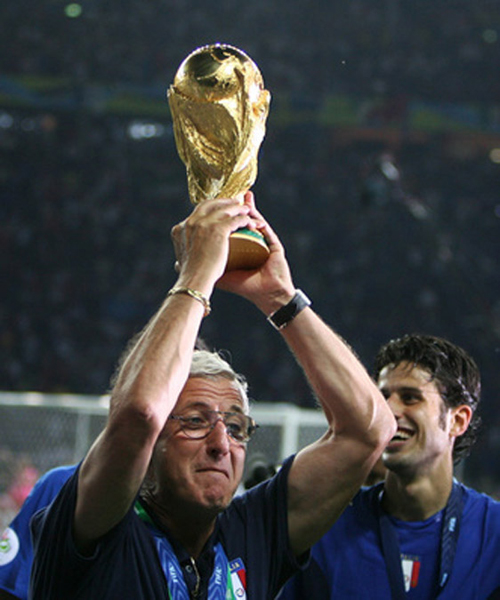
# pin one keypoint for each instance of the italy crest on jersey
(238, 578)
(411, 569)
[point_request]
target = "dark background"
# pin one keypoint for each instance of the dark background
(380, 171)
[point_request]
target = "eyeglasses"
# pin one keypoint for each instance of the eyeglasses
(198, 423)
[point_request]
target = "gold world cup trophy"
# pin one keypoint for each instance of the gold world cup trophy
(219, 109)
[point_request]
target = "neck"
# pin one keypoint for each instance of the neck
(415, 500)
(191, 529)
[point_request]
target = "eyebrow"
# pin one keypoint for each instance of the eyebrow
(402, 389)
(410, 388)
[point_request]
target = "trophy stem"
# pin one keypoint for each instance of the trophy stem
(247, 250)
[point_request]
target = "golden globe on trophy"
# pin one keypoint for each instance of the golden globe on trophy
(219, 109)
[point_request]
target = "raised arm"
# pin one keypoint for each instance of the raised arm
(326, 474)
(153, 373)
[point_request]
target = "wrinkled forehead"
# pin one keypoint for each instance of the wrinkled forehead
(215, 392)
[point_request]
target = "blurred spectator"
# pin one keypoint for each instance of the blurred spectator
(19, 477)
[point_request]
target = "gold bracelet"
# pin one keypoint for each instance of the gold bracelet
(194, 294)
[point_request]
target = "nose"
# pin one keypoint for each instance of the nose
(218, 439)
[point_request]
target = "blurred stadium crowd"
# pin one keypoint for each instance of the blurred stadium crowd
(386, 233)
(436, 47)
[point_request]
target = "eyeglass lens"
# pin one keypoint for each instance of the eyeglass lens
(199, 423)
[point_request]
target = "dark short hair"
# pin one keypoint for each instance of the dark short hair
(455, 373)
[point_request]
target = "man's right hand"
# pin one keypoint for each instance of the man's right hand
(201, 241)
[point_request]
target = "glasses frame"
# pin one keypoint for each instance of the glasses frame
(221, 416)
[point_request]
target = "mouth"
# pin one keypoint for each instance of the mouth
(214, 471)
(401, 436)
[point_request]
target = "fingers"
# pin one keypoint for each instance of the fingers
(202, 239)
(228, 214)
(260, 223)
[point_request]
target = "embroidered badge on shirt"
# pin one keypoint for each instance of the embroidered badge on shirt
(9, 546)
(411, 569)
(238, 578)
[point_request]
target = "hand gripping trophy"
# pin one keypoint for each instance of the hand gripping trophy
(219, 109)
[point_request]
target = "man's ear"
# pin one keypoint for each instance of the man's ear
(461, 417)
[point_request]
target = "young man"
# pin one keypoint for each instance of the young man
(149, 512)
(420, 533)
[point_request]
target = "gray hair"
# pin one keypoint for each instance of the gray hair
(211, 364)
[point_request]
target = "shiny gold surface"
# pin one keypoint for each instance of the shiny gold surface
(246, 250)
(219, 109)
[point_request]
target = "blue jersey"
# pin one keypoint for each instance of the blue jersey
(253, 532)
(348, 561)
(16, 552)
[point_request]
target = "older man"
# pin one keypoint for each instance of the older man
(149, 513)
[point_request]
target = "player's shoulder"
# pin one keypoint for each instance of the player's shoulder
(57, 475)
(361, 513)
(49, 484)
(476, 500)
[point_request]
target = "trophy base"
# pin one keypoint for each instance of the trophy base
(247, 250)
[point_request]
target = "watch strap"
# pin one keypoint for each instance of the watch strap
(287, 313)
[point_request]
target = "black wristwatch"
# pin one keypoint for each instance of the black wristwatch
(287, 313)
